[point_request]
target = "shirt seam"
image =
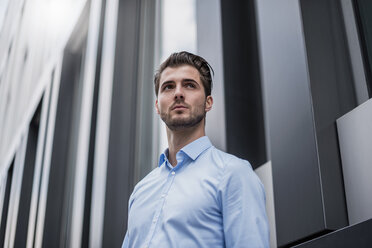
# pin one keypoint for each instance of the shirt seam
(225, 165)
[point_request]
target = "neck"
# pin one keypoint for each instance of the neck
(180, 138)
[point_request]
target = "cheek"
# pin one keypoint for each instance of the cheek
(200, 101)
(162, 104)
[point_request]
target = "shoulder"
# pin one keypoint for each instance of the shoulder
(146, 181)
(230, 162)
(236, 170)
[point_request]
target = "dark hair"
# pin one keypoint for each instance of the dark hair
(186, 58)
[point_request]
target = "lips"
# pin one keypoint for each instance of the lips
(176, 107)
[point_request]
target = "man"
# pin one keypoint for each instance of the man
(198, 196)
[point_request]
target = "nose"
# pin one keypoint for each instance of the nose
(178, 94)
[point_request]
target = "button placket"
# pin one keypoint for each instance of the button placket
(167, 187)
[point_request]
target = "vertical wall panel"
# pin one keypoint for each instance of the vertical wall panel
(145, 135)
(308, 84)
(121, 153)
(27, 181)
(354, 131)
(363, 18)
(41, 145)
(245, 133)
(299, 209)
(333, 94)
(5, 203)
(62, 167)
(103, 125)
(354, 47)
(209, 46)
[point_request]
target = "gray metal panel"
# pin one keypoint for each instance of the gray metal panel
(103, 125)
(6, 202)
(44, 117)
(355, 52)
(145, 145)
(88, 28)
(297, 187)
(358, 235)
(15, 192)
(245, 128)
(19, 238)
(209, 39)
(333, 94)
(121, 153)
(39, 198)
(355, 139)
(62, 166)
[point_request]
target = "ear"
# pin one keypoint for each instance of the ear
(156, 106)
(208, 103)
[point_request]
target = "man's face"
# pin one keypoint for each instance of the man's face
(181, 101)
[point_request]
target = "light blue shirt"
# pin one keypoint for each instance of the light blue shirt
(210, 199)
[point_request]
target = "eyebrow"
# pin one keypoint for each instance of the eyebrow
(183, 80)
(189, 80)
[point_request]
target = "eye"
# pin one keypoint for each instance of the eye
(168, 87)
(190, 85)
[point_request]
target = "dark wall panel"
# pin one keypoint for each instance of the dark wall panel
(307, 85)
(89, 179)
(358, 235)
(27, 180)
(333, 95)
(298, 200)
(58, 207)
(5, 207)
(121, 158)
(245, 134)
(363, 9)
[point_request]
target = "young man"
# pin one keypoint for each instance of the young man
(198, 196)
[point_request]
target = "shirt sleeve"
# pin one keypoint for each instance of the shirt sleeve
(126, 238)
(126, 241)
(242, 199)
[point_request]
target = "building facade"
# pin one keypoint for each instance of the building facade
(292, 89)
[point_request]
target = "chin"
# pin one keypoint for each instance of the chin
(180, 121)
(180, 117)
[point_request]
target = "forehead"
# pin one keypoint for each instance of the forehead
(180, 73)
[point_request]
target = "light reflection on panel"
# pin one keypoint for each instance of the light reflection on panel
(355, 139)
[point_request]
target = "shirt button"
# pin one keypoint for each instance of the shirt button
(173, 172)
(163, 196)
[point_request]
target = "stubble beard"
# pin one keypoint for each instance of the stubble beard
(176, 124)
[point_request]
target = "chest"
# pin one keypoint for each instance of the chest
(192, 198)
(179, 198)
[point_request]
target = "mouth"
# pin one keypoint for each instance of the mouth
(179, 107)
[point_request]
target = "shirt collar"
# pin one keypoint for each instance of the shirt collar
(193, 149)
